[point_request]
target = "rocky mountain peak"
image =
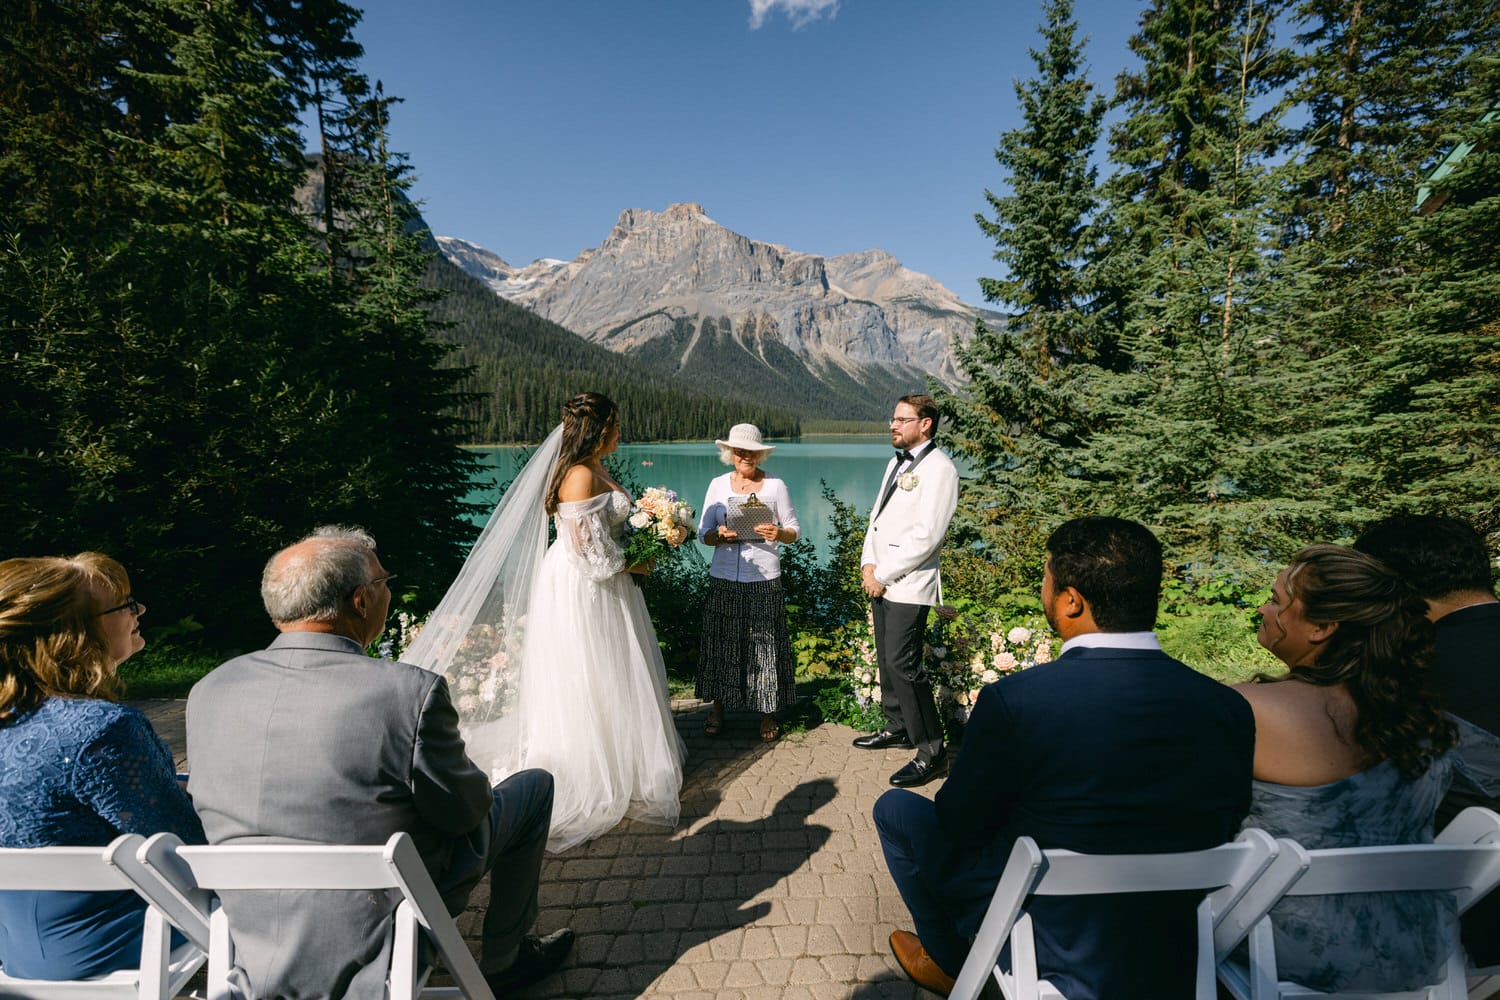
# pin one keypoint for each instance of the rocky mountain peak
(861, 317)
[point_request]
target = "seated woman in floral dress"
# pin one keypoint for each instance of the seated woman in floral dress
(1350, 751)
(76, 768)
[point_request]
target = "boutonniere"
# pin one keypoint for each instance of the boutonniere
(908, 482)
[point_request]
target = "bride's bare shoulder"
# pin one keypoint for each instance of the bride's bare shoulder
(579, 483)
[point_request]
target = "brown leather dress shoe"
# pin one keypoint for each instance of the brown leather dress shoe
(917, 964)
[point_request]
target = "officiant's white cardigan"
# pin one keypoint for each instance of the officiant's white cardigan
(905, 537)
(746, 561)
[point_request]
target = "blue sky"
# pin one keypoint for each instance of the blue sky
(827, 126)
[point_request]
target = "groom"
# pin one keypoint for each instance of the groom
(900, 573)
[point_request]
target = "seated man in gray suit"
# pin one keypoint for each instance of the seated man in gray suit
(310, 740)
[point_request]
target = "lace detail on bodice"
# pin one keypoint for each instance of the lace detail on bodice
(79, 771)
(592, 533)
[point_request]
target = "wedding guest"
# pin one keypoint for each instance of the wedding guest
(80, 769)
(311, 740)
(1447, 562)
(1112, 748)
(745, 655)
(899, 572)
(1349, 752)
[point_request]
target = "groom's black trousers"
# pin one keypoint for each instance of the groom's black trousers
(905, 690)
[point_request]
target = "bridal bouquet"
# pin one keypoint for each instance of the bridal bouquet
(658, 523)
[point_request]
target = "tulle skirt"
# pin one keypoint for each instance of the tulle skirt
(593, 704)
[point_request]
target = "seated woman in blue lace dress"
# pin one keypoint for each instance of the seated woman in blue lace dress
(1350, 751)
(76, 768)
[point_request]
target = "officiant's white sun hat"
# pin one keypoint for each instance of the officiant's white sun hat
(746, 437)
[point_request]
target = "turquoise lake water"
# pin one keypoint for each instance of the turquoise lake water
(851, 465)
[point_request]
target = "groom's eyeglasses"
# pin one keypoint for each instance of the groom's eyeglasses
(904, 420)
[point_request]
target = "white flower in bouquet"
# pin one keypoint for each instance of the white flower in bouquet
(989, 677)
(940, 652)
(1004, 661)
(973, 697)
(866, 678)
(1042, 654)
(964, 698)
(1018, 635)
(659, 522)
(996, 640)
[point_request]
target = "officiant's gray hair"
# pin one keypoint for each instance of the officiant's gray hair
(311, 586)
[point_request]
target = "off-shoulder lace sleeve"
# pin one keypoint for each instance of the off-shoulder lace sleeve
(127, 776)
(583, 531)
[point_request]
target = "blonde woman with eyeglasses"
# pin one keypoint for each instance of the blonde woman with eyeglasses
(76, 767)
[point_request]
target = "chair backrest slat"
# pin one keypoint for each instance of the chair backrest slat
(70, 869)
(279, 866)
(1403, 868)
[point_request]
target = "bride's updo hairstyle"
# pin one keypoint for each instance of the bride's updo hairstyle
(587, 420)
(1380, 652)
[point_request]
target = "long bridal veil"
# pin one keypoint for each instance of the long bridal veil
(474, 636)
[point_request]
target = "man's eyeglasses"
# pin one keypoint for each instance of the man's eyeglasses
(904, 420)
(134, 606)
(379, 579)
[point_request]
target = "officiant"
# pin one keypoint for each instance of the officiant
(745, 655)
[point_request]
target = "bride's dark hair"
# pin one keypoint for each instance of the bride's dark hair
(587, 419)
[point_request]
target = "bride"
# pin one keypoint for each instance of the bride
(549, 651)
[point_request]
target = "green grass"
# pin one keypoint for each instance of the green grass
(1217, 640)
(166, 670)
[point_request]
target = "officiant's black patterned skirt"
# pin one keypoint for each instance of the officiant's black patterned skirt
(745, 656)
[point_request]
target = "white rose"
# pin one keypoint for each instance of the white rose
(1005, 661)
(989, 677)
(1019, 635)
(640, 519)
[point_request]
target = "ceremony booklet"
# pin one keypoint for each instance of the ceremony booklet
(743, 514)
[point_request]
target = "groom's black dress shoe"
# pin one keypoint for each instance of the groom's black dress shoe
(920, 772)
(885, 739)
(537, 958)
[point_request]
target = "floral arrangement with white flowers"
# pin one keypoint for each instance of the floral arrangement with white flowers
(975, 648)
(659, 522)
(482, 678)
(965, 649)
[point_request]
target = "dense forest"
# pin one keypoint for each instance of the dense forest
(196, 371)
(1252, 288)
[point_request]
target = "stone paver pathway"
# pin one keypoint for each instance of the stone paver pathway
(771, 886)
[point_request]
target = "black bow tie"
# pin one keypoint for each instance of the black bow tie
(903, 456)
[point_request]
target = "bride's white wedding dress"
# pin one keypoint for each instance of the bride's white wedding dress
(594, 708)
(552, 661)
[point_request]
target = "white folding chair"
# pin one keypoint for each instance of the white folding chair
(164, 970)
(1227, 873)
(192, 875)
(1465, 861)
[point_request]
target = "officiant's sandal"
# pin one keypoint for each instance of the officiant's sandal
(770, 729)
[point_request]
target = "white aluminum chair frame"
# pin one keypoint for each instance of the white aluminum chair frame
(1227, 873)
(1464, 860)
(164, 970)
(193, 874)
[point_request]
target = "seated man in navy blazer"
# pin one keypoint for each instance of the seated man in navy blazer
(1112, 748)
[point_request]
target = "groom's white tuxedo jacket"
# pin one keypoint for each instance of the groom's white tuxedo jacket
(905, 536)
